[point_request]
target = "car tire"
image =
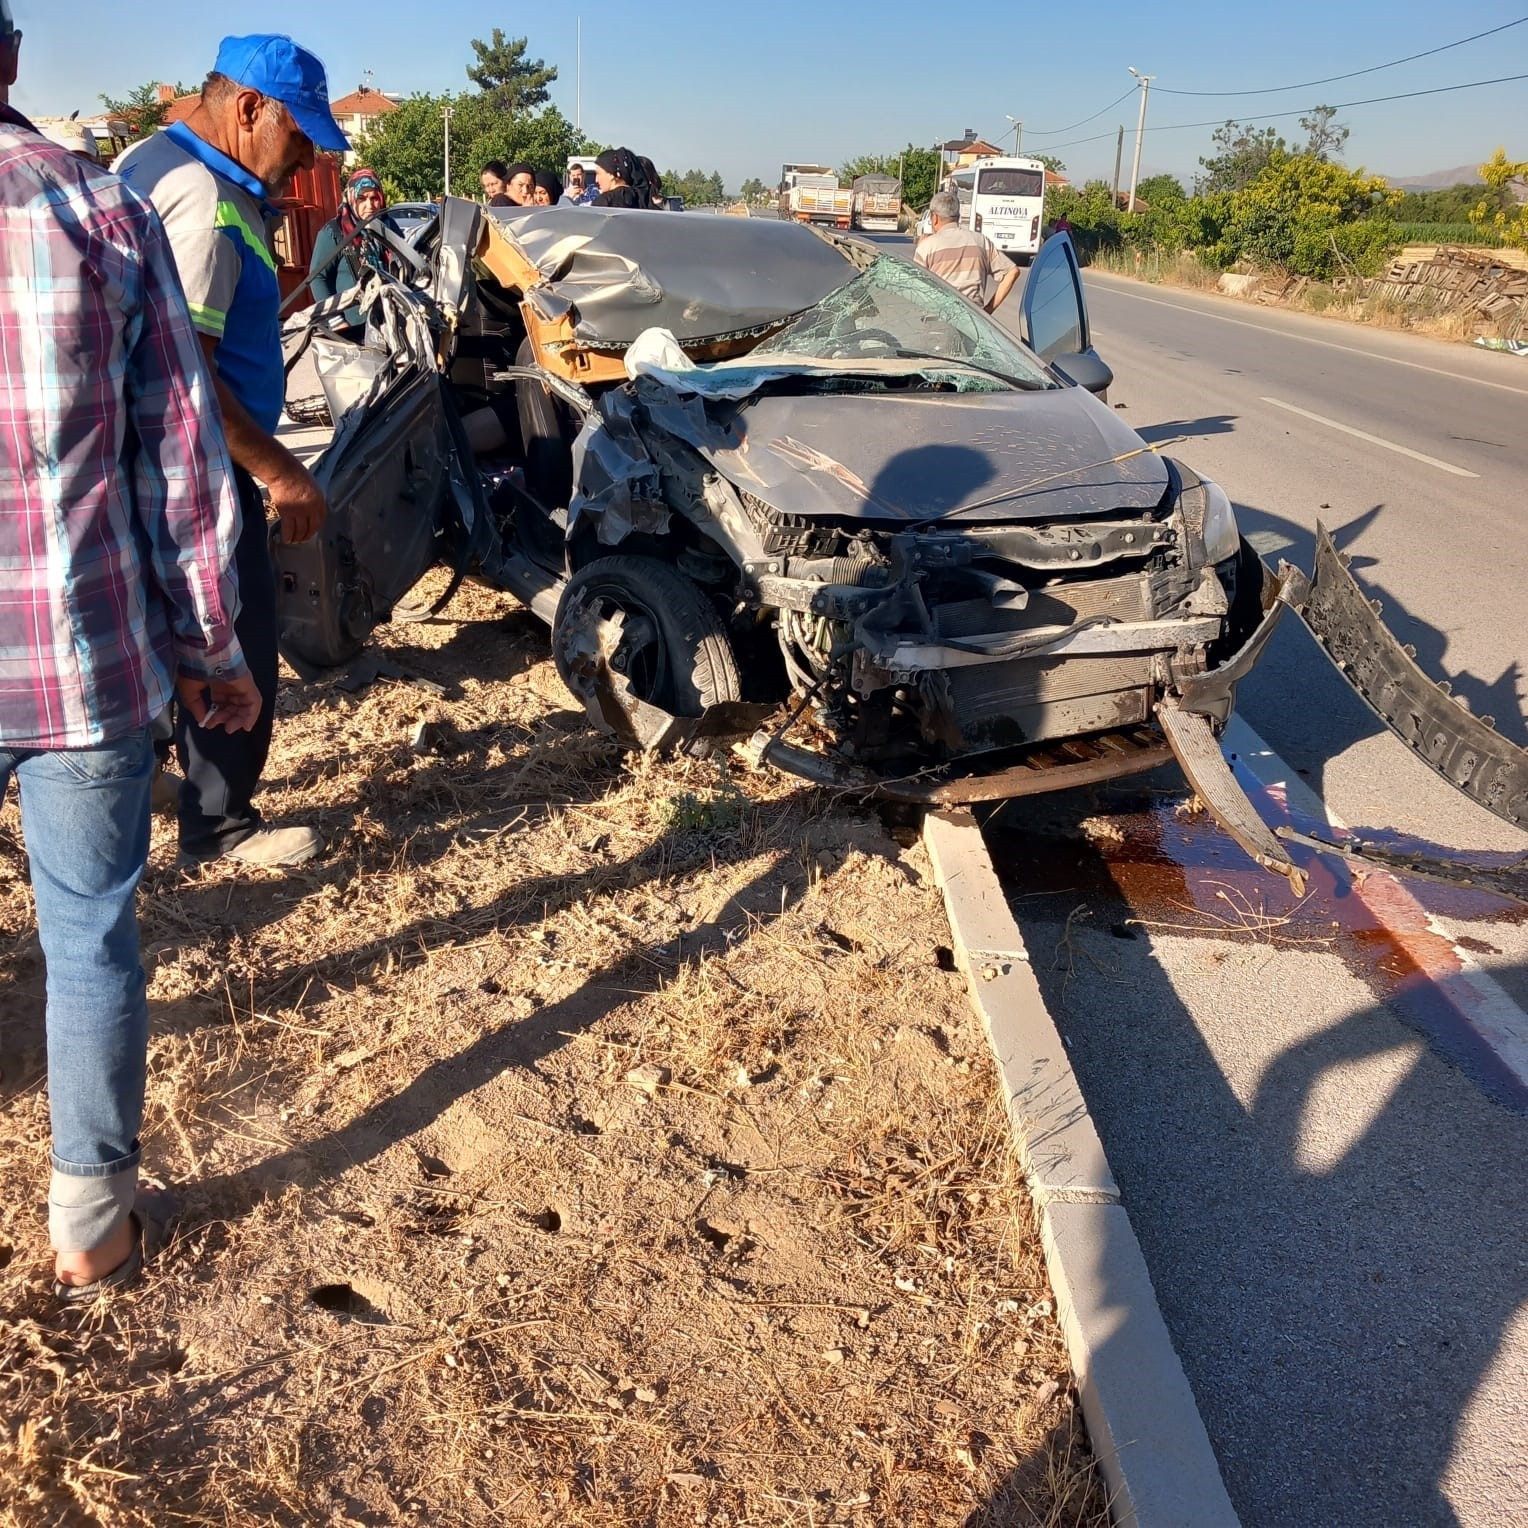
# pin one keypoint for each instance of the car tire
(682, 659)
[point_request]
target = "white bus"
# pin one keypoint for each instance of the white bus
(1006, 201)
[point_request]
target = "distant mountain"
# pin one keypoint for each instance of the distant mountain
(1439, 180)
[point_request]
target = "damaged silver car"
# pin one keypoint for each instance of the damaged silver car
(767, 484)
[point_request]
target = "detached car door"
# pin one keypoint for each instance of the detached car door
(387, 476)
(1053, 317)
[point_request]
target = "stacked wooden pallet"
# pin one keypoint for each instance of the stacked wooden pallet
(1476, 282)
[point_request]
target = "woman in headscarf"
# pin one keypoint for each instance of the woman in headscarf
(520, 186)
(655, 198)
(616, 173)
(344, 247)
(548, 189)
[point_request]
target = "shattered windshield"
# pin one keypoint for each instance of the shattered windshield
(896, 310)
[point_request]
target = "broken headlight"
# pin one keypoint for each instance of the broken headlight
(1221, 537)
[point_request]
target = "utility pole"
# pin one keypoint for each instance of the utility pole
(1119, 154)
(1018, 133)
(1140, 132)
(445, 113)
(578, 90)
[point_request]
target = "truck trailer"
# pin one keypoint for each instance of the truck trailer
(810, 193)
(877, 203)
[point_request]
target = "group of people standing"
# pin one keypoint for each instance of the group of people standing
(621, 179)
(345, 245)
(141, 382)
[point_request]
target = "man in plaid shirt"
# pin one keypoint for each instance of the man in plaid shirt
(118, 522)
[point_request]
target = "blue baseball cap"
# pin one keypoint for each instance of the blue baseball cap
(278, 68)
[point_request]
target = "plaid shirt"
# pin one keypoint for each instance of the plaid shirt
(118, 514)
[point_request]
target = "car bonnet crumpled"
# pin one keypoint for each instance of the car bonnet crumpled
(617, 272)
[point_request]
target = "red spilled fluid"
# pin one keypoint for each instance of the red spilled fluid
(1150, 867)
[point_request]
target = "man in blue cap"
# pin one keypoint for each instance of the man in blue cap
(263, 112)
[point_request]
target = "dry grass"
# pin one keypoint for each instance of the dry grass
(582, 1141)
(1182, 269)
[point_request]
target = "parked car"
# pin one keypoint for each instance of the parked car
(762, 481)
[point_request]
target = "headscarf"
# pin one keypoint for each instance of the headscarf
(351, 232)
(620, 163)
(654, 181)
(549, 183)
(627, 168)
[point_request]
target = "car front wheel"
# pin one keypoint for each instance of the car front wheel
(639, 619)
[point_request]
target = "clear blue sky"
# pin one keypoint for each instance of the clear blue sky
(742, 87)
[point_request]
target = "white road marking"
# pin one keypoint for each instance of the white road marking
(1471, 991)
(1373, 440)
(1310, 339)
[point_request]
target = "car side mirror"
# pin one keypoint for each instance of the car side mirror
(1085, 369)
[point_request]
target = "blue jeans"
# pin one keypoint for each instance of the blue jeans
(85, 816)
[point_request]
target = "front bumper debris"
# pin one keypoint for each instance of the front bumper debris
(1465, 750)
(1199, 753)
(1039, 770)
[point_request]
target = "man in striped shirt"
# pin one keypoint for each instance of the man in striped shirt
(968, 260)
(117, 527)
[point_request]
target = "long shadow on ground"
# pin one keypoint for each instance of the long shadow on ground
(1337, 1263)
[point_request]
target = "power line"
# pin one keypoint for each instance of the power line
(1052, 132)
(1333, 78)
(1295, 111)
(1330, 79)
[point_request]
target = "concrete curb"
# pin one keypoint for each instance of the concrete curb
(1143, 1422)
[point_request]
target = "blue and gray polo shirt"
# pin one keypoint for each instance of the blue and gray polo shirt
(219, 224)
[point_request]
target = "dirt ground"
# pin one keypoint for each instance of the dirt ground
(582, 1140)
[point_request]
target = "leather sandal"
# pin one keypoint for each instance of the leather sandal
(153, 1214)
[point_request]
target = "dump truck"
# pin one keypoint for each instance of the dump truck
(810, 193)
(877, 203)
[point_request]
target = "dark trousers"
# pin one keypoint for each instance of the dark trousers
(222, 769)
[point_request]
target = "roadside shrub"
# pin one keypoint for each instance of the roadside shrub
(1311, 218)
(1097, 224)
(1507, 218)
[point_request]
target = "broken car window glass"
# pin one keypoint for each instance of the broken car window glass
(896, 308)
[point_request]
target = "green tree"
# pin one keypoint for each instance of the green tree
(1452, 204)
(1504, 177)
(1327, 134)
(753, 188)
(919, 169)
(142, 109)
(698, 187)
(509, 79)
(1161, 190)
(867, 164)
(406, 146)
(1051, 163)
(1311, 218)
(1242, 155)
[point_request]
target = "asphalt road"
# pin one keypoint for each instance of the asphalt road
(1334, 1213)
(1332, 1206)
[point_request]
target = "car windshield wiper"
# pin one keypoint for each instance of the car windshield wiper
(960, 360)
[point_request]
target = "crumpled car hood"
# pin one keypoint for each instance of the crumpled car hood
(619, 271)
(988, 457)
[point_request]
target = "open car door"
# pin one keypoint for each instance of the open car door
(1053, 316)
(398, 478)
